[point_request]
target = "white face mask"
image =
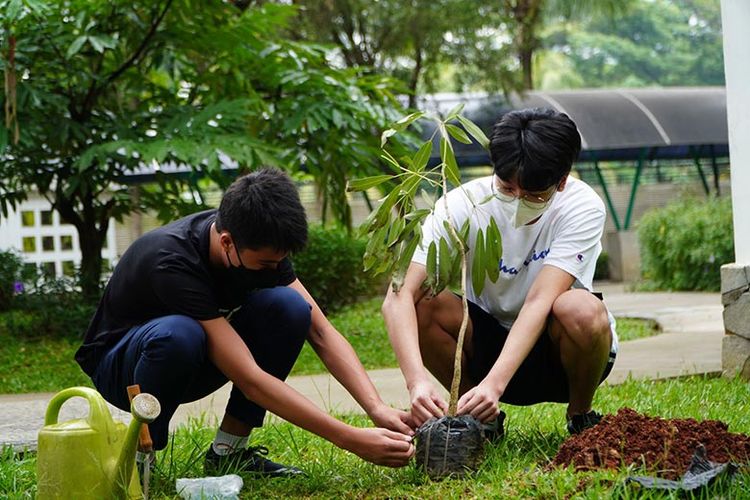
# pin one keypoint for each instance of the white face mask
(519, 213)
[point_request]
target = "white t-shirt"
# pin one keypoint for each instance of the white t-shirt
(567, 236)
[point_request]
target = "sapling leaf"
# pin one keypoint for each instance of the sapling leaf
(385, 135)
(455, 111)
(428, 199)
(493, 250)
(394, 232)
(475, 132)
(367, 182)
(478, 272)
(457, 133)
(432, 276)
(444, 264)
(449, 162)
(407, 252)
(422, 157)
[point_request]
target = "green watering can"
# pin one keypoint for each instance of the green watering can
(92, 457)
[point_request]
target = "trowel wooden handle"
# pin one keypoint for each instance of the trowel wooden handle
(144, 438)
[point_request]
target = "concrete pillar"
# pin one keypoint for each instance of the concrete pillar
(735, 278)
(624, 255)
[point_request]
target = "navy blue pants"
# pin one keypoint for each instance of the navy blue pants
(168, 357)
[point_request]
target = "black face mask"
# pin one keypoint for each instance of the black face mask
(241, 280)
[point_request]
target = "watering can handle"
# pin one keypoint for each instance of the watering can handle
(98, 412)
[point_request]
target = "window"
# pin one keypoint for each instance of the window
(68, 268)
(29, 244)
(66, 242)
(27, 218)
(48, 243)
(46, 216)
(48, 268)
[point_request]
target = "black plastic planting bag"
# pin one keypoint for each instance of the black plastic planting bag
(701, 472)
(449, 446)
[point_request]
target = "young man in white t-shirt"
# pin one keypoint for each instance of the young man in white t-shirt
(537, 334)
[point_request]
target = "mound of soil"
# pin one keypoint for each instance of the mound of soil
(661, 446)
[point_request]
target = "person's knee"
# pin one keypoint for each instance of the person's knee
(292, 307)
(178, 337)
(583, 318)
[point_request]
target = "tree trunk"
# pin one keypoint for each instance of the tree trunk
(91, 241)
(525, 56)
(414, 81)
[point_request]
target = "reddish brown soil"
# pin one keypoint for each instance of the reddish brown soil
(661, 446)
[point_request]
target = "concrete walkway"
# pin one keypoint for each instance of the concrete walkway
(690, 343)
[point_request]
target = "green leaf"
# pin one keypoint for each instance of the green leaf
(402, 265)
(444, 264)
(366, 183)
(455, 111)
(422, 157)
(394, 232)
(12, 10)
(75, 47)
(457, 133)
(449, 163)
(432, 276)
(474, 131)
(385, 135)
(478, 272)
(407, 120)
(493, 250)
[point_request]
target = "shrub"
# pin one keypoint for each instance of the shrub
(602, 267)
(13, 275)
(48, 307)
(331, 268)
(684, 244)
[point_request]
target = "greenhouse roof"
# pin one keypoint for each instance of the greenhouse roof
(614, 124)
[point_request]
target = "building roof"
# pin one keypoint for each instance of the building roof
(614, 123)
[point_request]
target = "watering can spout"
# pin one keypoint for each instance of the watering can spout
(144, 408)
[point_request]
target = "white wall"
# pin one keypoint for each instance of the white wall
(735, 18)
(13, 232)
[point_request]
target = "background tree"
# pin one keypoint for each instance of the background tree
(101, 89)
(414, 40)
(660, 42)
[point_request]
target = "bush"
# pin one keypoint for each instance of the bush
(48, 307)
(13, 275)
(684, 244)
(602, 267)
(331, 268)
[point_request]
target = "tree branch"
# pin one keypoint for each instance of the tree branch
(142, 47)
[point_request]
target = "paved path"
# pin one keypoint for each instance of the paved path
(690, 343)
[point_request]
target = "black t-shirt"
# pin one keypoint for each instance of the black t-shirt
(167, 271)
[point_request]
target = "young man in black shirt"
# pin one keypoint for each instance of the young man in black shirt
(213, 297)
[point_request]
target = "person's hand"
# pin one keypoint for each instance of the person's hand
(426, 402)
(480, 402)
(393, 419)
(382, 446)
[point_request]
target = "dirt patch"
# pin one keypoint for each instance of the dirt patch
(661, 446)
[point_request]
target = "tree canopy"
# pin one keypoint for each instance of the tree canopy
(98, 90)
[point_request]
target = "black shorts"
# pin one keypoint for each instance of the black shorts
(540, 378)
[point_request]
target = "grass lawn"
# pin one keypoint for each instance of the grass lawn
(514, 468)
(46, 365)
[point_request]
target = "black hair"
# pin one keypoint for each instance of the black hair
(262, 209)
(535, 146)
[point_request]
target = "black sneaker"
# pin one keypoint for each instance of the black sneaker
(579, 423)
(494, 430)
(250, 460)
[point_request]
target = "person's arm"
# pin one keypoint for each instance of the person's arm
(230, 354)
(400, 315)
(526, 330)
(341, 360)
